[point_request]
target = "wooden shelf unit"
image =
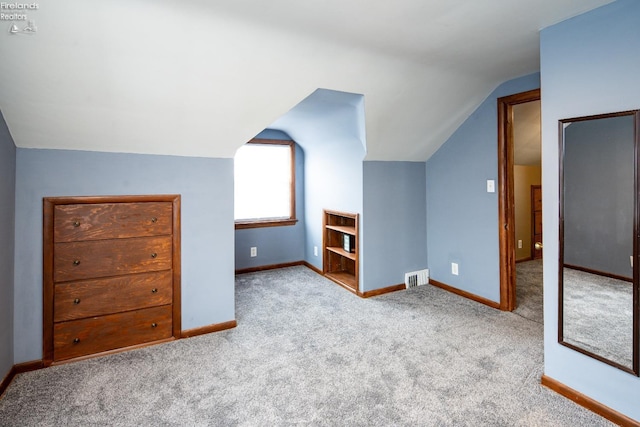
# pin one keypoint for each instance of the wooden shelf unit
(337, 264)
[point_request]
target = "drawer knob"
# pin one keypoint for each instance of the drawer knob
(76, 262)
(76, 223)
(154, 219)
(76, 340)
(154, 324)
(153, 255)
(76, 301)
(154, 290)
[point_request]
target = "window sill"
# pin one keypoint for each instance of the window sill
(265, 223)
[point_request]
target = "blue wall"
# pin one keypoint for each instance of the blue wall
(328, 125)
(7, 229)
(276, 245)
(462, 218)
(333, 180)
(206, 186)
(598, 207)
(393, 227)
(589, 65)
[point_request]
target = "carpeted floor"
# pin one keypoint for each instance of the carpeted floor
(529, 290)
(598, 315)
(598, 310)
(307, 352)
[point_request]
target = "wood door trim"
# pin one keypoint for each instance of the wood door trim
(506, 210)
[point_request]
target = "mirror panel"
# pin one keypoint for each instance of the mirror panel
(598, 277)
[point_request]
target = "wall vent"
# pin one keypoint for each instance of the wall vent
(416, 278)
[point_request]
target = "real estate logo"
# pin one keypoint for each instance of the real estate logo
(18, 13)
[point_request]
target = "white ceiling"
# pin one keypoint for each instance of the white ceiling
(200, 78)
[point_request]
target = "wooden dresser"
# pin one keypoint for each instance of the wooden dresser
(111, 273)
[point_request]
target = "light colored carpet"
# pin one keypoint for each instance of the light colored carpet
(529, 296)
(307, 352)
(598, 315)
(598, 310)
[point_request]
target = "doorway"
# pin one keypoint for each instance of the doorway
(536, 220)
(507, 193)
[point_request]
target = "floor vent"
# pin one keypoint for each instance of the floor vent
(416, 278)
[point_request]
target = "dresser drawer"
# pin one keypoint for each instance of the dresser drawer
(111, 220)
(97, 334)
(104, 258)
(87, 298)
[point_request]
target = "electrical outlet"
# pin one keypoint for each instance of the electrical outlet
(454, 268)
(519, 244)
(315, 251)
(254, 251)
(631, 260)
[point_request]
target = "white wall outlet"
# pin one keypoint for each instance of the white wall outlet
(254, 251)
(519, 244)
(631, 260)
(315, 251)
(454, 268)
(491, 186)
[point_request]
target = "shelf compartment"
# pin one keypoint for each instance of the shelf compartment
(344, 278)
(342, 229)
(342, 252)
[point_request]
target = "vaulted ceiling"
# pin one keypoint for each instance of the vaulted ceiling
(200, 78)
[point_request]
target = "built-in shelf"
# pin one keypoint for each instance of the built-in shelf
(342, 252)
(344, 279)
(338, 264)
(342, 229)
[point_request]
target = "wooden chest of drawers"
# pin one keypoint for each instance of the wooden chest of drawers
(111, 273)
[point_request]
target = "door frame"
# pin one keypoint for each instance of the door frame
(506, 207)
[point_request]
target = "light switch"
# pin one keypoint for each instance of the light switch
(491, 186)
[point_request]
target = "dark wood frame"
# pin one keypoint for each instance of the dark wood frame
(506, 208)
(49, 204)
(275, 222)
(635, 365)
